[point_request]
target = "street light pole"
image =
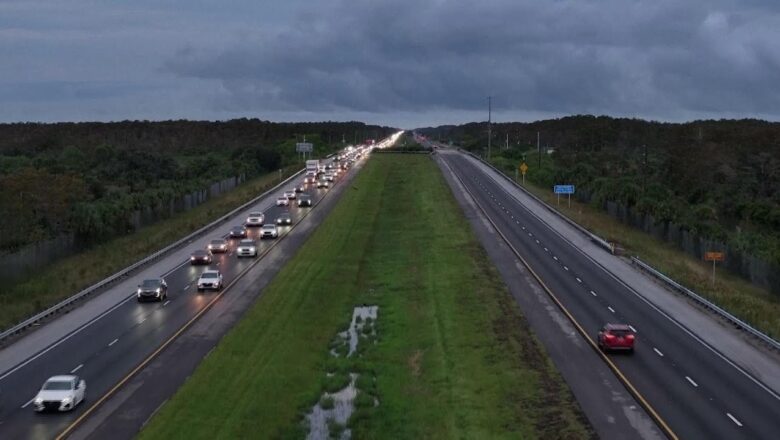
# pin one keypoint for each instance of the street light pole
(490, 134)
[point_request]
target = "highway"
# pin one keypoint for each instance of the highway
(694, 390)
(108, 347)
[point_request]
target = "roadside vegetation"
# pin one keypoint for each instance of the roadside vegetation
(72, 274)
(717, 180)
(453, 358)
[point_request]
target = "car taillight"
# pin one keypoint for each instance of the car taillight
(609, 336)
(630, 337)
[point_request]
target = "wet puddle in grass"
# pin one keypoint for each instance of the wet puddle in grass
(328, 418)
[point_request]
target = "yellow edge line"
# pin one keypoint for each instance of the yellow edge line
(660, 421)
(145, 362)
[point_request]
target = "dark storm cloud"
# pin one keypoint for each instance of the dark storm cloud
(613, 56)
(399, 62)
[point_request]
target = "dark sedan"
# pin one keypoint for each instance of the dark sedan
(200, 257)
(238, 232)
(284, 219)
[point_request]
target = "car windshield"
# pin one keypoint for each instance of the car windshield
(209, 275)
(620, 333)
(255, 214)
(217, 242)
(269, 227)
(247, 242)
(58, 385)
(151, 283)
(199, 253)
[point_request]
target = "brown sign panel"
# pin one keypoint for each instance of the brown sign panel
(714, 256)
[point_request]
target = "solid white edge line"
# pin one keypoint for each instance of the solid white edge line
(658, 352)
(81, 328)
(113, 342)
(637, 294)
(76, 369)
(734, 419)
(691, 381)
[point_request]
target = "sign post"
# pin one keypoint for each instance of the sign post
(304, 147)
(714, 256)
(564, 189)
(523, 169)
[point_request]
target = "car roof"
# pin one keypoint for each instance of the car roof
(237, 227)
(201, 251)
(284, 214)
(247, 241)
(62, 377)
(269, 225)
(613, 326)
(210, 271)
(255, 213)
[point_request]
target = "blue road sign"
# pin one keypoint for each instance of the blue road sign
(563, 189)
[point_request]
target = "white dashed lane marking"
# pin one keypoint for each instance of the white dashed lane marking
(28, 403)
(611, 309)
(113, 342)
(734, 419)
(633, 329)
(579, 280)
(166, 303)
(658, 352)
(76, 369)
(593, 293)
(566, 268)
(691, 381)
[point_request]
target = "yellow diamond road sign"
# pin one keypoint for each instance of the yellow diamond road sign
(523, 167)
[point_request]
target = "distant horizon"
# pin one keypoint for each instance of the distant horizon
(379, 123)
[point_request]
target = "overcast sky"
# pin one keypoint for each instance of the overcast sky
(405, 63)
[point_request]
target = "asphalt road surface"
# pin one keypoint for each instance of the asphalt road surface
(111, 345)
(696, 391)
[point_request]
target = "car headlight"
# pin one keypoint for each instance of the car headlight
(139, 291)
(159, 290)
(67, 400)
(38, 401)
(192, 258)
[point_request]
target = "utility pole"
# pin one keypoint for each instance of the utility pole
(539, 148)
(490, 133)
(507, 142)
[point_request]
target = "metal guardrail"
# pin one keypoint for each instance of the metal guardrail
(709, 305)
(649, 269)
(64, 304)
(593, 237)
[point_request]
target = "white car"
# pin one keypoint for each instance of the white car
(210, 279)
(255, 219)
(269, 231)
(290, 194)
(60, 393)
(246, 248)
(322, 183)
(282, 201)
(329, 177)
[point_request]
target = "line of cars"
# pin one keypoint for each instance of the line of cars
(66, 392)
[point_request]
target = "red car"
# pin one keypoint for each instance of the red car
(616, 337)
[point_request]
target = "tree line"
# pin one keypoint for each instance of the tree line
(88, 178)
(717, 178)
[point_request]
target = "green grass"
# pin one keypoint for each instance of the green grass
(454, 357)
(756, 306)
(72, 274)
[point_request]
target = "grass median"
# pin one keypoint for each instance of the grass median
(453, 357)
(72, 274)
